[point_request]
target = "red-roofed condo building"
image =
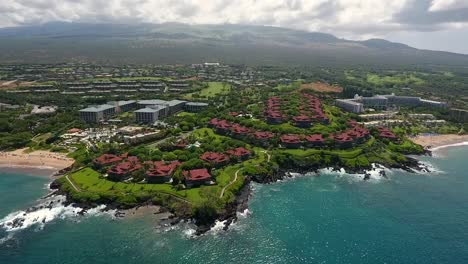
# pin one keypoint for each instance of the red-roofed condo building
(124, 169)
(314, 141)
(223, 127)
(343, 140)
(291, 141)
(197, 177)
(239, 153)
(238, 131)
(215, 159)
(302, 121)
(262, 137)
(272, 110)
(161, 172)
(386, 133)
(106, 160)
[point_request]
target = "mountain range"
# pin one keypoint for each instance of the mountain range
(181, 43)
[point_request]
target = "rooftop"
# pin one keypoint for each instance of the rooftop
(197, 175)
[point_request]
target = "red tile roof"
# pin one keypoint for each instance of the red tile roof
(301, 118)
(238, 129)
(290, 138)
(238, 152)
(314, 138)
(132, 164)
(263, 135)
(214, 157)
(197, 175)
(223, 124)
(107, 159)
(161, 169)
(386, 133)
(73, 130)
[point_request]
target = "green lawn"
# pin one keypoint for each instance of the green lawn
(90, 180)
(400, 79)
(213, 89)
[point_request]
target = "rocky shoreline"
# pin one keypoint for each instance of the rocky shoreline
(229, 214)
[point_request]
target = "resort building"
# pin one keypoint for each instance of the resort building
(194, 107)
(215, 159)
(349, 105)
(291, 141)
(160, 171)
(178, 86)
(302, 121)
(124, 106)
(238, 131)
(176, 106)
(124, 169)
(314, 141)
(162, 104)
(380, 116)
(459, 115)
(263, 137)
(106, 160)
(149, 115)
(382, 102)
(239, 153)
(386, 133)
(95, 114)
(196, 177)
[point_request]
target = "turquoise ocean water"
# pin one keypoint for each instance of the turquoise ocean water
(408, 218)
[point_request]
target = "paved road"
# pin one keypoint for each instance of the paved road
(235, 179)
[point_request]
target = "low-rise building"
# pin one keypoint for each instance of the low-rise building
(291, 141)
(195, 107)
(459, 115)
(239, 153)
(176, 106)
(160, 171)
(197, 177)
(147, 115)
(95, 114)
(215, 159)
(349, 105)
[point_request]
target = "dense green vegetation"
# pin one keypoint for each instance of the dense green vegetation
(227, 101)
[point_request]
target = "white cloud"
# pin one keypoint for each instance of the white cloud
(443, 5)
(345, 18)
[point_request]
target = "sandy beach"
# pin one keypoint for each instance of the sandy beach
(437, 141)
(37, 159)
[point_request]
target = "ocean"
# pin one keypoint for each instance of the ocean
(331, 218)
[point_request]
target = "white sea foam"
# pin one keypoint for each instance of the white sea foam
(375, 174)
(189, 232)
(47, 210)
(465, 143)
(244, 214)
(428, 168)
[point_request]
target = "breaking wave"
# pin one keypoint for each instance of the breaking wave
(46, 211)
(465, 143)
(375, 174)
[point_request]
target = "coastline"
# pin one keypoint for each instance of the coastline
(30, 171)
(436, 142)
(37, 160)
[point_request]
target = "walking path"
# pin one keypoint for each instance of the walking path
(229, 184)
(72, 184)
(268, 155)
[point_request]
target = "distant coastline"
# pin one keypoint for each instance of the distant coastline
(435, 142)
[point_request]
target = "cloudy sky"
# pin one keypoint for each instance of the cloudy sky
(431, 24)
